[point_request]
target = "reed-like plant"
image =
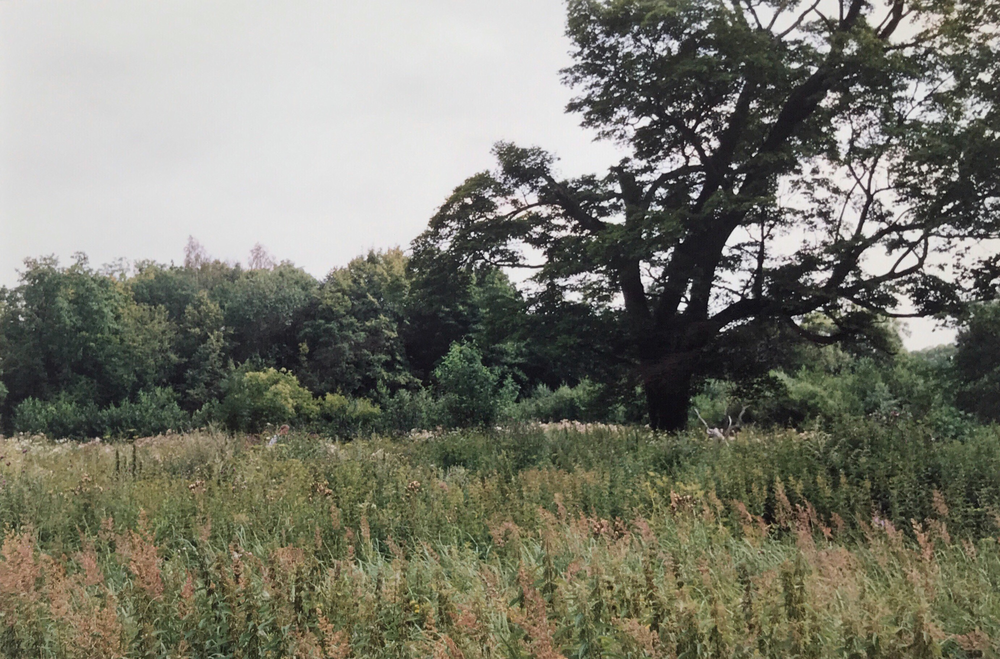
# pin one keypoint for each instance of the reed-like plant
(536, 542)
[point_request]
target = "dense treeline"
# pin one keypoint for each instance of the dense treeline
(142, 349)
(389, 343)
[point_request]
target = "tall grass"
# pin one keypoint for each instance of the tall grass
(559, 541)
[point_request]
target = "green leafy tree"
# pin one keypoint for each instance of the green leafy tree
(448, 304)
(977, 363)
(350, 341)
(440, 309)
(782, 158)
(472, 394)
(76, 332)
(256, 399)
(204, 349)
(170, 287)
(264, 309)
(544, 339)
(3, 349)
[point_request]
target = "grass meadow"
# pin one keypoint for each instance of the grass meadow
(874, 540)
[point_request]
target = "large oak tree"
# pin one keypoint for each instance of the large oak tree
(783, 158)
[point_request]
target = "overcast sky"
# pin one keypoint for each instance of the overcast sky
(320, 128)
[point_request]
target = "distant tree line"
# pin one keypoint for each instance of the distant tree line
(389, 343)
(88, 351)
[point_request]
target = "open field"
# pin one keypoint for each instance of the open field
(874, 541)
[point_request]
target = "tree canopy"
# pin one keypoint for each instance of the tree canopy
(782, 158)
(87, 351)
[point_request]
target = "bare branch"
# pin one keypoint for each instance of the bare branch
(777, 13)
(756, 18)
(798, 21)
(705, 423)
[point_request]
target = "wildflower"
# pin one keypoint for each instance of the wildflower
(335, 643)
(938, 503)
(499, 532)
(322, 489)
(19, 570)
(88, 561)
(535, 621)
(144, 561)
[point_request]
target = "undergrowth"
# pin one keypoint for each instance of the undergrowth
(558, 541)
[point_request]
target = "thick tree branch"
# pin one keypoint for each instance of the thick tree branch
(665, 178)
(813, 337)
(572, 207)
(892, 21)
(633, 292)
(699, 254)
(722, 158)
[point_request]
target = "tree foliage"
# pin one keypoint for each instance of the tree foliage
(72, 330)
(352, 340)
(472, 394)
(139, 348)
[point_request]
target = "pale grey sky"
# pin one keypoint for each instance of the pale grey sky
(320, 128)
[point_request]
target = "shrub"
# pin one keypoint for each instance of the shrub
(584, 402)
(407, 410)
(254, 399)
(152, 413)
(59, 418)
(472, 394)
(347, 417)
(801, 398)
(948, 422)
(906, 386)
(207, 415)
(714, 402)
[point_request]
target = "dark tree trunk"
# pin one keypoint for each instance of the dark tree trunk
(667, 384)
